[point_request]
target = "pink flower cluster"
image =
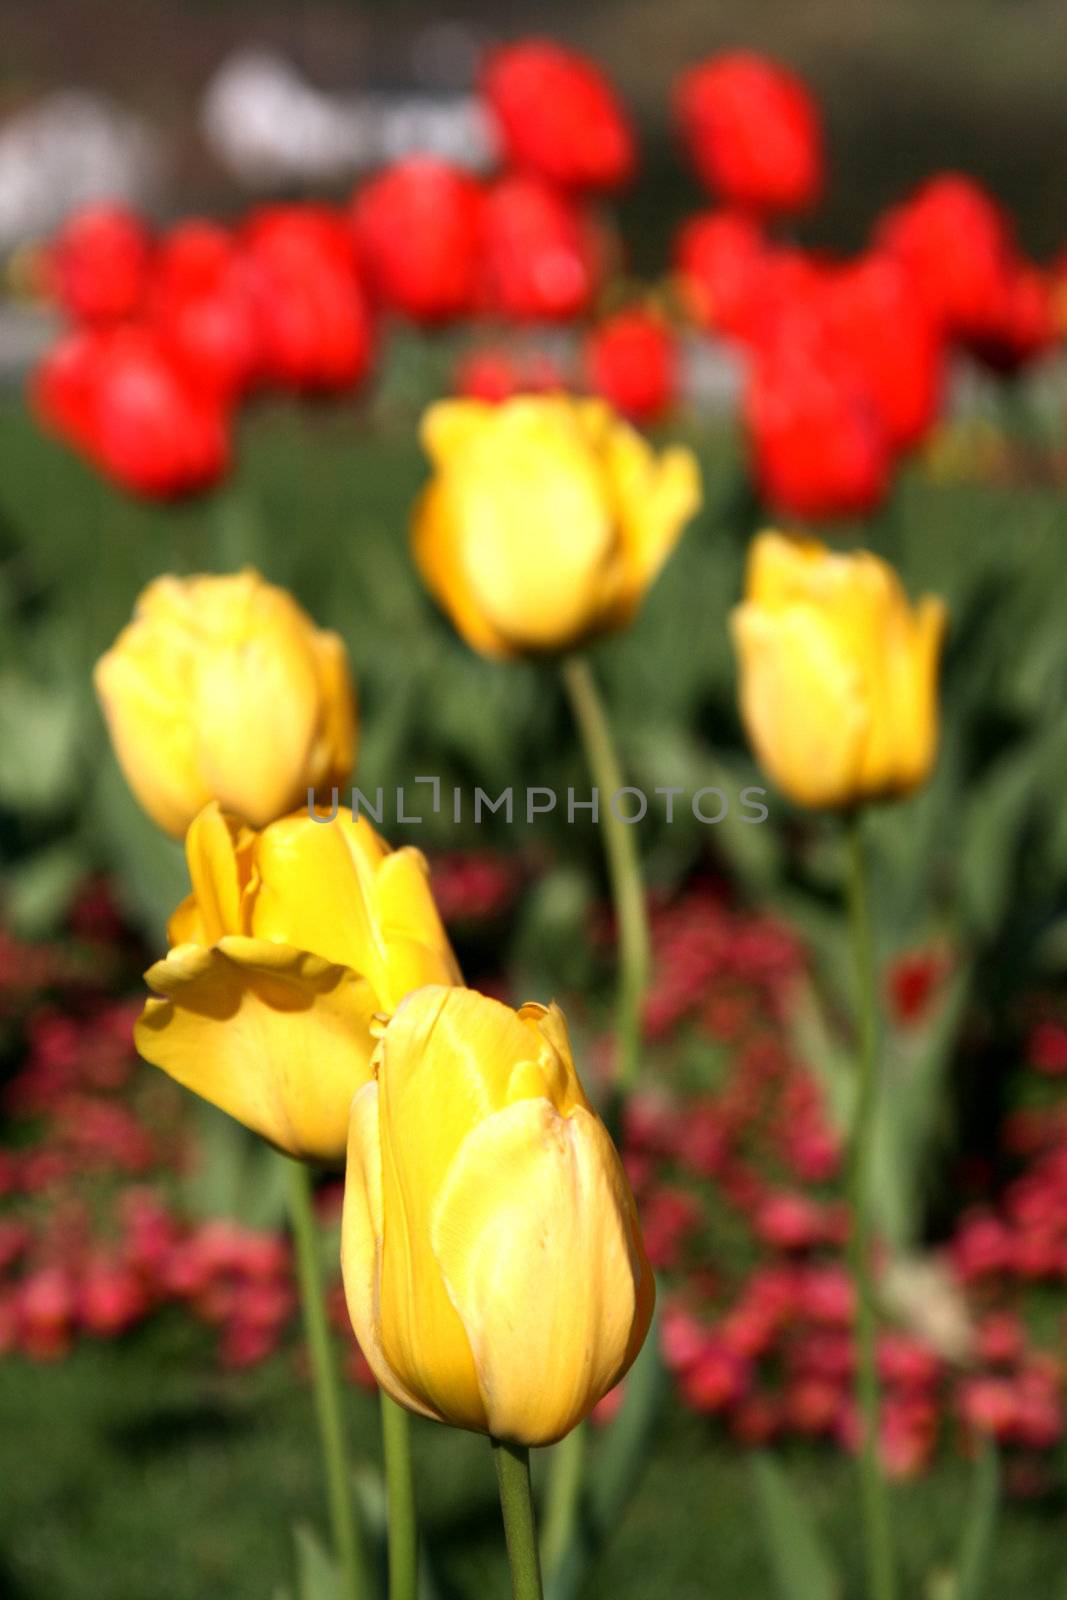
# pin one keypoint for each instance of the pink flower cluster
(731, 1150)
(737, 1170)
(93, 1238)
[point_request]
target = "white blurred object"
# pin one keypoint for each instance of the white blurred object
(265, 124)
(69, 149)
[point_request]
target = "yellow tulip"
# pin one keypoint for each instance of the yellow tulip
(222, 688)
(293, 939)
(546, 520)
(492, 1257)
(838, 672)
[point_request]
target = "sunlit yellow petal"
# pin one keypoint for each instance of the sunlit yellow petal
(316, 889)
(218, 849)
(333, 752)
(803, 704)
(223, 689)
(152, 740)
(417, 951)
(439, 556)
(655, 498)
(361, 1241)
(529, 1233)
(278, 1038)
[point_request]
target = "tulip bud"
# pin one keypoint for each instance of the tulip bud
(291, 942)
(838, 672)
(222, 688)
(491, 1252)
(546, 520)
(753, 132)
(556, 115)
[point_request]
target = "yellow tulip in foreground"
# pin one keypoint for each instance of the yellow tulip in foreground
(546, 519)
(492, 1256)
(222, 688)
(838, 672)
(292, 940)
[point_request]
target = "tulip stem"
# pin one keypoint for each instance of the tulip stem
(877, 1532)
(512, 1462)
(346, 1537)
(400, 1494)
(624, 869)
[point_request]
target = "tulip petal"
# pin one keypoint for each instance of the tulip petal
(333, 753)
(656, 496)
(448, 427)
(256, 712)
(445, 1064)
(185, 925)
(361, 1243)
(533, 1231)
(416, 945)
(153, 741)
(535, 507)
(438, 555)
(803, 703)
(913, 691)
(218, 849)
(781, 568)
(316, 889)
(278, 1038)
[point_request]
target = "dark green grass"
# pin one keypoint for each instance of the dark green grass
(137, 1470)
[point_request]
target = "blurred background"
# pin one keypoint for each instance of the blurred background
(151, 1370)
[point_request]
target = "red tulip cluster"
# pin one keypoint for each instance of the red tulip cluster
(844, 359)
(170, 333)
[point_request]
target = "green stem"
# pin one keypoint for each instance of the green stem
(512, 1464)
(346, 1540)
(563, 1498)
(400, 1492)
(624, 870)
(878, 1538)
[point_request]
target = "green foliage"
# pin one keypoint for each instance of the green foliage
(972, 1578)
(795, 1551)
(976, 864)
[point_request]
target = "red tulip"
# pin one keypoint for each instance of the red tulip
(719, 256)
(416, 233)
(120, 399)
(313, 323)
(956, 242)
(753, 132)
(819, 445)
(99, 264)
(62, 385)
(557, 116)
(1023, 326)
(632, 360)
(540, 257)
(876, 314)
(202, 304)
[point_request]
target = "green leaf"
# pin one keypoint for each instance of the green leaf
(317, 1576)
(39, 736)
(795, 1550)
(150, 868)
(39, 890)
(236, 1175)
(615, 1470)
(979, 1528)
